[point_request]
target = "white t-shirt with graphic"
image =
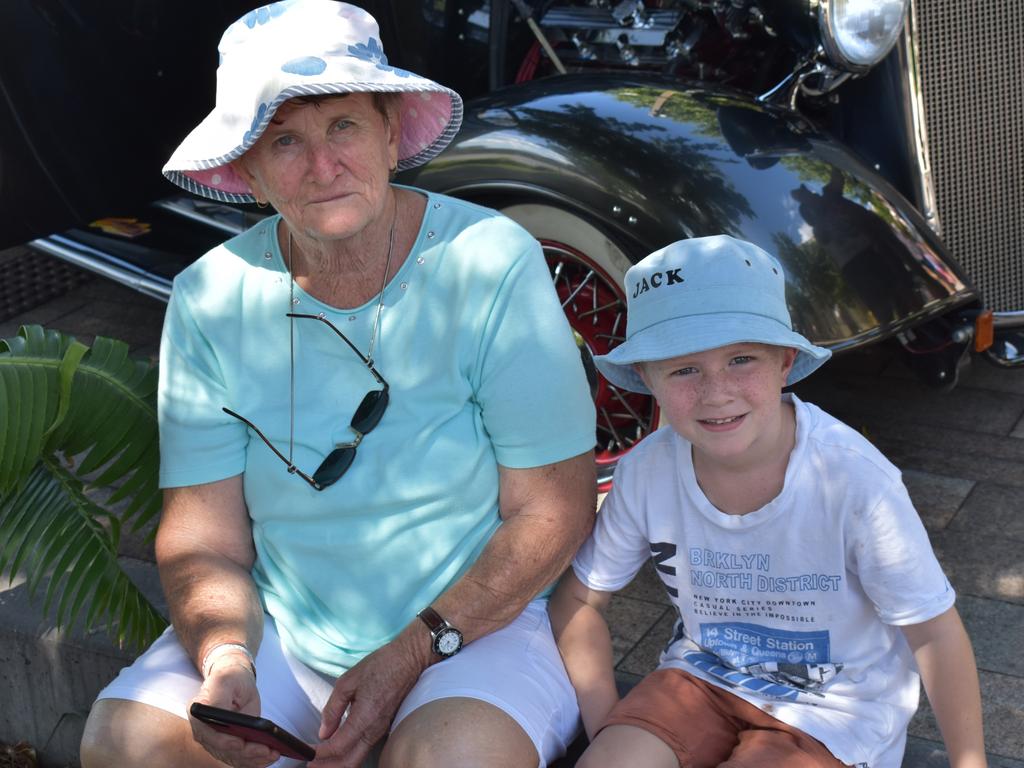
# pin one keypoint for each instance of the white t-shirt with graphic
(794, 607)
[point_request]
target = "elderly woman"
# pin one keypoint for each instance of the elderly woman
(375, 436)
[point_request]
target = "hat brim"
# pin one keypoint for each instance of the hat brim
(699, 333)
(430, 115)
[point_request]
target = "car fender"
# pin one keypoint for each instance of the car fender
(651, 161)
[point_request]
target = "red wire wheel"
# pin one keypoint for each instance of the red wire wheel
(595, 305)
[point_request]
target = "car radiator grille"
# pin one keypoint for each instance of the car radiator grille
(972, 71)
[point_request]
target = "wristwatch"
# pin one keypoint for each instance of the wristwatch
(446, 639)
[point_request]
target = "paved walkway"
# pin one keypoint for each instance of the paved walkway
(962, 454)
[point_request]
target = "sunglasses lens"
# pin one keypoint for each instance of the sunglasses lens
(334, 466)
(370, 411)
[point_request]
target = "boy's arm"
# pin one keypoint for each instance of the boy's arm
(946, 661)
(586, 647)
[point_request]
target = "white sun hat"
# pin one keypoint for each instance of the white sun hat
(303, 48)
(701, 294)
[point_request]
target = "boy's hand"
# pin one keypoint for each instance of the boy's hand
(944, 656)
(586, 647)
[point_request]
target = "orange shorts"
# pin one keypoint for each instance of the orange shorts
(706, 726)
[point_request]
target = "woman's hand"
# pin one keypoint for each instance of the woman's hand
(371, 692)
(231, 685)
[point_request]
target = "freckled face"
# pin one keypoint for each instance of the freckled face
(325, 166)
(725, 401)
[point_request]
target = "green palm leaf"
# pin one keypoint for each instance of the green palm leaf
(74, 419)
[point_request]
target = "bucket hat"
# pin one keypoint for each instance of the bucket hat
(303, 48)
(700, 294)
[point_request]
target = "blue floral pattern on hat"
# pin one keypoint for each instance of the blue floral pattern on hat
(265, 13)
(305, 65)
(260, 112)
(370, 51)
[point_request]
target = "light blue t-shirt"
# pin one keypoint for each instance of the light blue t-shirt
(482, 370)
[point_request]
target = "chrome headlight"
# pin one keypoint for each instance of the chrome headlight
(859, 33)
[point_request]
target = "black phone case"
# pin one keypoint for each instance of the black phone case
(257, 729)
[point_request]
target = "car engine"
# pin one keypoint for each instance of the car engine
(726, 41)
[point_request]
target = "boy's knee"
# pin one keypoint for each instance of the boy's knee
(592, 759)
(601, 758)
(619, 745)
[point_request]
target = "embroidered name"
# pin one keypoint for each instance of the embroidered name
(658, 279)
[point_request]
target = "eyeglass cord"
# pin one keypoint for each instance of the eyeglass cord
(291, 329)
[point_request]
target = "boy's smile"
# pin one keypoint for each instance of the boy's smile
(725, 424)
(725, 401)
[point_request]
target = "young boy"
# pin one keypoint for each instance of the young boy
(805, 584)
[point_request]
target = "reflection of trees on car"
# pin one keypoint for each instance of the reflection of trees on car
(680, 106)
(860, 244)
(645, 138)
(810, 258)
(812, 170)
(835, 186)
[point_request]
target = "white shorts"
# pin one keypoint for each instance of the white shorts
(517, 669)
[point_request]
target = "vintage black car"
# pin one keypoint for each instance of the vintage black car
(875, 146)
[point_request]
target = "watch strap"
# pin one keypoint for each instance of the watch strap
(432, 619)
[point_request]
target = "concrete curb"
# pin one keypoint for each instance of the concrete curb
(52, 676)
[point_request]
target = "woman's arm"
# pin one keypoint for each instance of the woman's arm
(547, 512)
(204, 552)
(586, 647)
(946, 661)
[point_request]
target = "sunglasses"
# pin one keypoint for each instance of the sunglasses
(366, 417)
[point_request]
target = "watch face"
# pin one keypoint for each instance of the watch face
(448, 642)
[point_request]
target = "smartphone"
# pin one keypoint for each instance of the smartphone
(257, 729)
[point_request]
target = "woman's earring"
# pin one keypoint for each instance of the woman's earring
(260, 204)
